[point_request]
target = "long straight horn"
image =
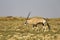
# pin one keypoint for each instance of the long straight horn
(27, 17)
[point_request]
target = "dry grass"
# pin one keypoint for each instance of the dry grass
(13, 28)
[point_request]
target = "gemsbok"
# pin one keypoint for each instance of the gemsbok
(35, 21)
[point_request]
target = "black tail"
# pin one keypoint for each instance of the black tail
(48, 26)
(47, 23)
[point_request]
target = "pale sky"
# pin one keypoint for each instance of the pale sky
(44, 8)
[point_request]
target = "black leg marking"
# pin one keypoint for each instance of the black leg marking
(43, 24)
(34, 25)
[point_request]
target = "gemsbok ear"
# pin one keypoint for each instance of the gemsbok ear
(27, 17)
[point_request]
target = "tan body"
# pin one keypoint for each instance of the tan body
(36, 21)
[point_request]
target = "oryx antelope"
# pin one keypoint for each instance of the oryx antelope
(36, 21)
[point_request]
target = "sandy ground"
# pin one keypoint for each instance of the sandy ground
(13, 28)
